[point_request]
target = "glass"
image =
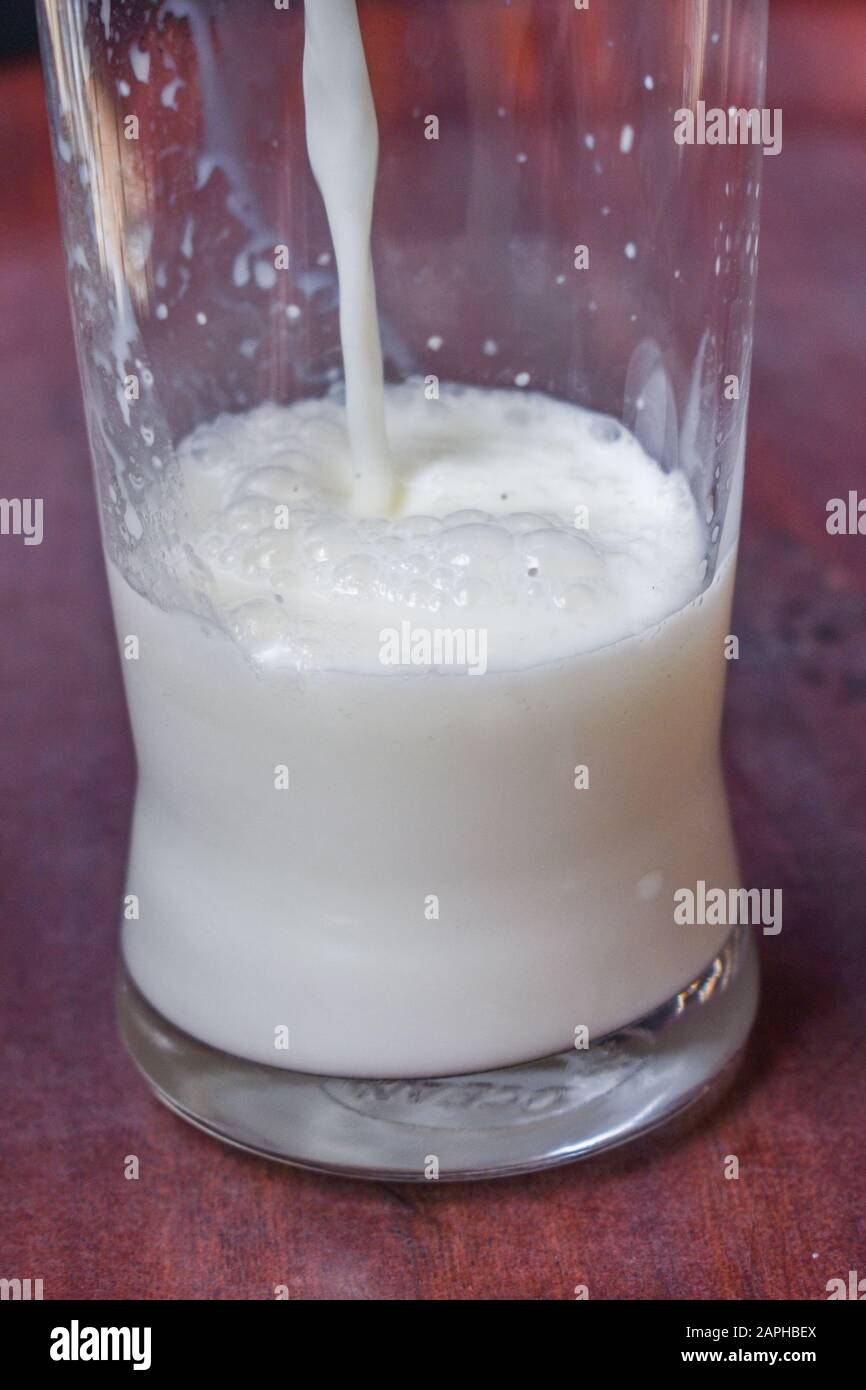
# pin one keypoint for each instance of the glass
(336, 874)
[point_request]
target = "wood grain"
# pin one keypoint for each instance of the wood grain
(656, 1220)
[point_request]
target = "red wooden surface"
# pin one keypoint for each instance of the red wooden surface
(656, 1220)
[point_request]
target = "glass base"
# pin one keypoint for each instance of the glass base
(513, 1120)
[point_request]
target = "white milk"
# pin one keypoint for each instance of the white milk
(431, 893)
(343, 143)
(420, 790)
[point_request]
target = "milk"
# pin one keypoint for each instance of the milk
(434, 890)
(433, 742)
(343, 143)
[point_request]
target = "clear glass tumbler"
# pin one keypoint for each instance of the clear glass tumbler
(381, 917)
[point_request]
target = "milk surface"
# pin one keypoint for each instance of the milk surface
(541, 523)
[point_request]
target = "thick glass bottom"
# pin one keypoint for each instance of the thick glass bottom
(513, 1120)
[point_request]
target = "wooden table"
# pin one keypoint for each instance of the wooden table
(656, 1220)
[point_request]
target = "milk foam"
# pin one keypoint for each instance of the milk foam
(545, 524)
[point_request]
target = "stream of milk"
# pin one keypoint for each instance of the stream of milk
(343, 142)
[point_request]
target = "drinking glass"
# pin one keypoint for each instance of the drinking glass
(539, 227)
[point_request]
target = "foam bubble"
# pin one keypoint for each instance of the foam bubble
(492, 481)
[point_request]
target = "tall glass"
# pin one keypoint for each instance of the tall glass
(350, 870)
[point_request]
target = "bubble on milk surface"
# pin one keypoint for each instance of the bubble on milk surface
(275, 526)
(462, 563)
